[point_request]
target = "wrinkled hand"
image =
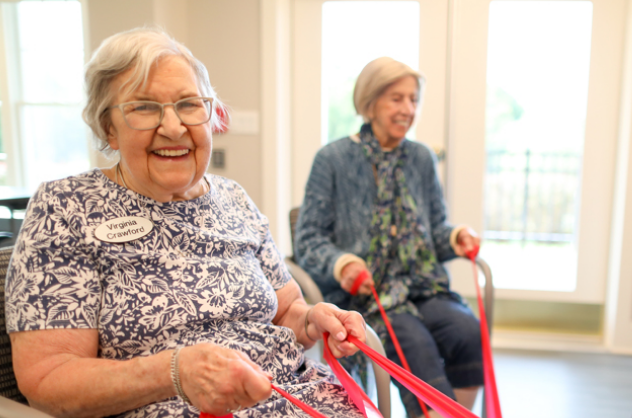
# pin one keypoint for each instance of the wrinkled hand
(349, 274)
(467, 240)
(325, 317)
(217, 379)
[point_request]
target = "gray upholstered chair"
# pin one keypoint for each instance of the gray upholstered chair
(313, 295)
(12, 403)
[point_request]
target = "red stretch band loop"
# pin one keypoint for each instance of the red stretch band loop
(358, 282)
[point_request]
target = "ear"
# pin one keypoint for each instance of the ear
(112, 137)
(370, 112)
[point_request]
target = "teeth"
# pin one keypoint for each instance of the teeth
(171, 153)
(401, 122)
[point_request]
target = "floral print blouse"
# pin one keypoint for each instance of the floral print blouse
(206, 272)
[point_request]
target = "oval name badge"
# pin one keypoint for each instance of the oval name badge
(124, 229)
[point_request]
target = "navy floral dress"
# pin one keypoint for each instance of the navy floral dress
(207, 272)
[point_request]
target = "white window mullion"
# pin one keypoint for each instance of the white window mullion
(10, 93)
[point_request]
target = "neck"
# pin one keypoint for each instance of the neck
(386, 142)
(117, 174)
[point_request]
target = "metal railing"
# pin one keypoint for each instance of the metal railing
(531, 196)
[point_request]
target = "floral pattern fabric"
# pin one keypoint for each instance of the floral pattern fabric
(398, 256)
(206, 272)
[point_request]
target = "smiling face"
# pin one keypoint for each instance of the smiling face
(393, 113)
(168, 162)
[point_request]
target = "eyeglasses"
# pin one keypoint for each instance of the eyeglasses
(144, 115)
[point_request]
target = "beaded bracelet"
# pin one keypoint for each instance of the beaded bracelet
(175, 375)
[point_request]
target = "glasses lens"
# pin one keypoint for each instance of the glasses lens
(194, 111)
(142, 115)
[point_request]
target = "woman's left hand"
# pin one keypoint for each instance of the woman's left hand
(466, 241)
(325, 317)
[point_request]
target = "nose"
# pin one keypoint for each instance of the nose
(171, 125)
(409, 107)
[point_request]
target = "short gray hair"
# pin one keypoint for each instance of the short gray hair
(375, 77)
(137, 49)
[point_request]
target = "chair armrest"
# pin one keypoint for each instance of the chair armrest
(382, 378)
(488, 292)
(308, 286)
(13, 409)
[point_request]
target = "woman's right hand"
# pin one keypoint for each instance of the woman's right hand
(349, 274)
(218, 379)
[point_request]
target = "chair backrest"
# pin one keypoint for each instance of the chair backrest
(8, 383)
(293, 219)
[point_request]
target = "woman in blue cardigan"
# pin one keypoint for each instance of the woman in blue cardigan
(373, 202)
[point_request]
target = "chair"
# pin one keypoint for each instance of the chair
(8, 383)
(12, 403)
(313, 295)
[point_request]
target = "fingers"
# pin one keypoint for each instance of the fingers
(217, 379)
(339, 324)
(350, 274)
(365, 288)
(467, 241)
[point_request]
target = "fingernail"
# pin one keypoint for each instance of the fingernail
(341, 336)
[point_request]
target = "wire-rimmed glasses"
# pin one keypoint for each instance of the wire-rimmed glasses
(144, 114)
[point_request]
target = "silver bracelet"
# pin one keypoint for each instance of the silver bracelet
(175, 375)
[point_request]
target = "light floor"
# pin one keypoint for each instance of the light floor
(540, 384)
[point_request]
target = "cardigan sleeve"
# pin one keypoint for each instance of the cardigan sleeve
(440, 228)
(315, 250)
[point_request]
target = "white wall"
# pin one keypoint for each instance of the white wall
(224, 35)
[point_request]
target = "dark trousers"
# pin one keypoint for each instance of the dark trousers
(443, 349)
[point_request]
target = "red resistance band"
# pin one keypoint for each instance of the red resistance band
(447, 407)
(441, 403)
(492, 401)
(364, 275)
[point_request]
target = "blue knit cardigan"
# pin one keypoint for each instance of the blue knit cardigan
(339, 204)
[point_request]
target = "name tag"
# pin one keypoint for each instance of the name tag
(125, 229)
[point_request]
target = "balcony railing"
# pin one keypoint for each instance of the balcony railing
(532, 196)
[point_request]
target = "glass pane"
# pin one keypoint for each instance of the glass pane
(349, 44)
(54, 142)
(537, 88)
(52, 65)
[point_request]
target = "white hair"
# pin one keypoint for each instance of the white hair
(375, 77)
(136, 50)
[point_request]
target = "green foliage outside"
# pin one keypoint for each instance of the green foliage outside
(502, 109)
(343, 120)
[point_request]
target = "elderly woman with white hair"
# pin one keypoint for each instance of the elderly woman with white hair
(373, 202)
(151, 289)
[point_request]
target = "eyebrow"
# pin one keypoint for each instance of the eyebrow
(146, 97)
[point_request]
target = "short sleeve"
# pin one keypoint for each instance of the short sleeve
(52, 281)
(268, 254)
(272, 262)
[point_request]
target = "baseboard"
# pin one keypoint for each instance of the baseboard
(548, 341)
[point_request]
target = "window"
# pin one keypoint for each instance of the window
(537, 90)
(44, 60)
(349, 44)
